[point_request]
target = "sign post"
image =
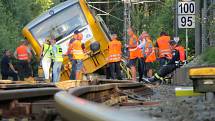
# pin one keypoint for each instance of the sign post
(186, 17)
(187, 42)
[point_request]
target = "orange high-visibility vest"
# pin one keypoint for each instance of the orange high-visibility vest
(181, 53)
(164, 47)
(133, 50)
(115, 51)
(70, 46)
(22, 52)
(149, 51)
(76, 50)
(140, 53)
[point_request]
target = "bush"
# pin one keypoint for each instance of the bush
(209, 55)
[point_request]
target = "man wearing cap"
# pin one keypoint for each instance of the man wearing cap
(77, 55)
(171, 65)
(57, 54)
(72, 73)
(23, 55)
(7, 68)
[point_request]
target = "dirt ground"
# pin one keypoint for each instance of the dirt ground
(174, 108)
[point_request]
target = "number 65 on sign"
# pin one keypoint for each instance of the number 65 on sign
(186, 21)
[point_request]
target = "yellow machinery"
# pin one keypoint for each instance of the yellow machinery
(203, 82)
(203, 79)
(60, 22)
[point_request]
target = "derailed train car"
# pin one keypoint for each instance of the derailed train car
(60, 22)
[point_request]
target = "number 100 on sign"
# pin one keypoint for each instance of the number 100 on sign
(186, 7)
(186, 21)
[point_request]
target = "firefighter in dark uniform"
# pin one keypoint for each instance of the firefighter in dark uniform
(177, 60)
(7, 68)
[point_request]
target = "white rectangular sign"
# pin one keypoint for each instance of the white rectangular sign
(186, 7)
(186, 21)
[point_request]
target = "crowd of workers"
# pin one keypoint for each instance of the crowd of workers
(142, 53)
(51, 60)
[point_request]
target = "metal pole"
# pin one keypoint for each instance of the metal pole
(197, 29)
(127, 18)
(204, 29)
(125, 22)
(187, 42)
(212, 32)
(176, 18)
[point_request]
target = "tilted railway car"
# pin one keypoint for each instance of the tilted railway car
(60, 22)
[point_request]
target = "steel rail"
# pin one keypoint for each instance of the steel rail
(96, 88)
(114, 81)
(27, 93)
(73, 108)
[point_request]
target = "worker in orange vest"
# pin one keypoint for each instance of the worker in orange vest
(149, 55)
(115, 55)
(133, 52)
(73, 69)
(163, 48)
(141, 59)
(23, 55)
(148, 51)
(77, 53)
(177, 60)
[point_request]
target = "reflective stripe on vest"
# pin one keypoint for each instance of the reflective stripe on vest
(164, 52)
(22, 56)
(22, 52)
(132, 49)
(115, 58)
(58, 56)
(115, 51)
(77, 50)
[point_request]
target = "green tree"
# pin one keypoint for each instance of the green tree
(8, 29)
(15, 14)
(148, 18)
(45, 4)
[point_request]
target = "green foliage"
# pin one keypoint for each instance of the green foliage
(116, 26)
(44, 4)
(158, 17)
(138, 19)
(148, 17)
(209, 55)
(14, 15)
(8, 28)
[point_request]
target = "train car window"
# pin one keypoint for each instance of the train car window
(60, 24)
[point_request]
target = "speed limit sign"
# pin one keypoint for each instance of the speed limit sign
(186, 21)
(186, 14)
(186, 7)
(186, 17)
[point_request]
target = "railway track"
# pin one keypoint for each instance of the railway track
(36, 102)
(27, 102)
(92, 103)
